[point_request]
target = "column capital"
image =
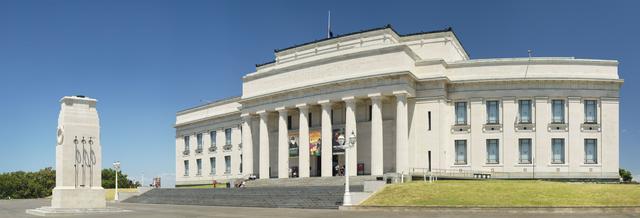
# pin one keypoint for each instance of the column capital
(375, 95)
(400, 93)
(349, 99)
(282, 109)
(245, 116)
(263, 113)
(303, 106)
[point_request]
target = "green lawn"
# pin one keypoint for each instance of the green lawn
(503, 193)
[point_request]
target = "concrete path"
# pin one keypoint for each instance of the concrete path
(16, 208)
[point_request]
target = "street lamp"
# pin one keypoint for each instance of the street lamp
(346, 201)
(116, 166)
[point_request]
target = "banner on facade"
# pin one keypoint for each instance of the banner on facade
(335, 144)
(315, 143)
(293, 144)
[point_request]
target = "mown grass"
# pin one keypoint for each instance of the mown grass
(506, 193)
(110, 194)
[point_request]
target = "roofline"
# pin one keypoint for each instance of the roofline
(210, 104)
(388, 26)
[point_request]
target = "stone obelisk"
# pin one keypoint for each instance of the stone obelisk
(78, 161)
(78, 155)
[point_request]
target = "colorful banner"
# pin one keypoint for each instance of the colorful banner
(315, 143)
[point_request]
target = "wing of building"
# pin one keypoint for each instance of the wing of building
(415, 103)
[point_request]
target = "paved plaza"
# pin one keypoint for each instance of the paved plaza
(16, 208)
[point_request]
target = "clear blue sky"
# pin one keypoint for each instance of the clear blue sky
(145, 60)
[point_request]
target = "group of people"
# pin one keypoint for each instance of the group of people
(240, 183)
(338, 170)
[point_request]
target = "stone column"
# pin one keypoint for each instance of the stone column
(303, 141)
(247, 145)
(350, 126)
(402, 133)
(376, 135)
(283, 144)
(264, 145)
(327, 140)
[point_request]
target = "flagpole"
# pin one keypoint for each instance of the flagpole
(329, 26)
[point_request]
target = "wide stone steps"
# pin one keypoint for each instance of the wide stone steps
(310, 181)
(319, 197)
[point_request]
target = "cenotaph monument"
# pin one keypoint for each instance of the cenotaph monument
(78, 160)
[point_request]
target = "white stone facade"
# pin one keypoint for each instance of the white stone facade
(399, 93)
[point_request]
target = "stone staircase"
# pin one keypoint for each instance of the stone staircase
(310, 181)
(317, 197)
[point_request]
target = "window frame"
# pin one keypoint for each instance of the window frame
(213, 137)
(198, 167)
(227, 136)
(186, 167)
(493, 104)
(529, 144)
(562, 111)
(465, 161)
(595, 111)
(530, 111)
(227, 164)
(212, 165)
(461, 106)
(199, 140)
(497, 154)
(562, 151)
(595, 151)
(186, 139)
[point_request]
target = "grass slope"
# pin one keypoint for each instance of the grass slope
(111, 193)
(503, 193)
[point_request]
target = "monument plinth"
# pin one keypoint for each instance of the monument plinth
(78, 161)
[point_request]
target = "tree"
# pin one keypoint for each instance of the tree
(109, 179)
(626, 175)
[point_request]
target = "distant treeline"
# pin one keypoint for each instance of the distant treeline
(39, 184)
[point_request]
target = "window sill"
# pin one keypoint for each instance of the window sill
(591, 165)
(558, 165)
(493, 165)
(460, 165)
(524, 165)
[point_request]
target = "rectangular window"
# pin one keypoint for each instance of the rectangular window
(590, 151)
(240, 163)
(186, 167)
(461, 152)
(525, 151)
(309, 122)
(212, 136)
(557, 147)
(289, 122)
(461, 113)
(590, 111)
(429, 118)
(557, 111)
(186, 143)
(227, 136)
(199, 165)
(199, 140)
(524, 111)
(370, 112)
(492, 112)
(212, 163)
(493, 151)
(227, 164)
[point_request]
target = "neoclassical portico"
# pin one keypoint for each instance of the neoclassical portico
(350, 104)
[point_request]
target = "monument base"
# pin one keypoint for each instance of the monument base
(78, 198)
(50, 211)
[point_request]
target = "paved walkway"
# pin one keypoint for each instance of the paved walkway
(16, 208)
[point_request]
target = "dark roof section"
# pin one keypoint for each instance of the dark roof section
(448, 29)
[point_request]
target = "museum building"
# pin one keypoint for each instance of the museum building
(416, 103)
